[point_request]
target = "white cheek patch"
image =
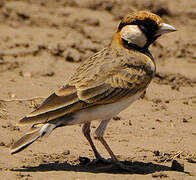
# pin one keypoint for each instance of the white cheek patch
(133, 34)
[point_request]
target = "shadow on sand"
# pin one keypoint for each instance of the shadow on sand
(136, 167)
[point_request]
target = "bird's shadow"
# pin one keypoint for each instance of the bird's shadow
(136, 167)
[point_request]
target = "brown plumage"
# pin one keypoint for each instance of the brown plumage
(103, 85)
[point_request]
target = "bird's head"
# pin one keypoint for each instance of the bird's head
(141, 29)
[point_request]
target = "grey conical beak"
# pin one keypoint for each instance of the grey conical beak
(165, 28)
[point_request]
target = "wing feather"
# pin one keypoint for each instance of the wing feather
(97, 81)
(60, 103)
(51, 115)
(63, 97)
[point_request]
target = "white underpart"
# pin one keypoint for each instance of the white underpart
(133, 34)
(47, 129)
(102, 112)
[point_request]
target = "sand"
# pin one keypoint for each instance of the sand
(41, 44)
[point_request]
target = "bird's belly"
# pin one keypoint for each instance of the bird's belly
(102, 112)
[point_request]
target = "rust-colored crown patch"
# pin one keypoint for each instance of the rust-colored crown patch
(139, 16)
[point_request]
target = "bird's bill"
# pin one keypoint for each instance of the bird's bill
(165, 28)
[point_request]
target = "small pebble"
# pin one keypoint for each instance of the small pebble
(156, 153)
(185, 120)
(116, 118)
(66, 152)
(159, 175)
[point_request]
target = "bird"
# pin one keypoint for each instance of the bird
(102, 86)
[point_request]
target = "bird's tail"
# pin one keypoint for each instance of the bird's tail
(30, 137)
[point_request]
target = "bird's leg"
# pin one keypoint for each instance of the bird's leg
(116, 163)
(86, 132)
(100, 132)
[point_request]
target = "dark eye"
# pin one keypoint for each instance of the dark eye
(143, 28)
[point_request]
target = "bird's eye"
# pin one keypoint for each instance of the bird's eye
(143, 28)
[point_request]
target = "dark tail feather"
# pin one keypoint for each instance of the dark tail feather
(30, 137)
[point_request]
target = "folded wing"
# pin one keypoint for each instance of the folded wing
(90, 87)
(60, 103)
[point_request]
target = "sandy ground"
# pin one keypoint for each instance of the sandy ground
(42, 42)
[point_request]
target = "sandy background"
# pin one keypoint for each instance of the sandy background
(42, 42)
